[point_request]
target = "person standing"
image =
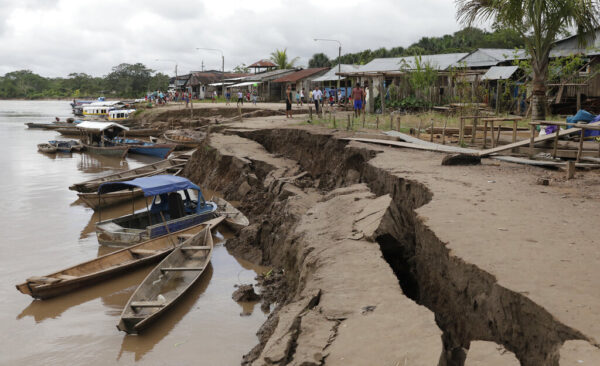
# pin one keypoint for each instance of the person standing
(301, 97)
(298, 99)
(358, 96)
(317, 95)
(240, 97)
(254, 97)
(227, 97)
(288, 102)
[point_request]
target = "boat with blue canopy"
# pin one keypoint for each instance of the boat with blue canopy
(177, 206)
(145, 148)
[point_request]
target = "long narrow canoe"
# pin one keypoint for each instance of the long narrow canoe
(106, 266)
(160, 167)
(167, 282)
(120, 151)
(234, 219)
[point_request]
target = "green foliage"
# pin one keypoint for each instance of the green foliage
(125, 80)
(465, 40)
(319, 60)
(280, 58)
(241, 69)
(408, 103)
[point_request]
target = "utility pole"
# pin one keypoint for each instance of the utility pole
(222, 66)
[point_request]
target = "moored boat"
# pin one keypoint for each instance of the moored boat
(167, 282)
(98, 138)
(120, 114)
(234, 218)
(47, 148)
(97, 201)
(101, 268)
(145, 148)
(160, 167)
(66, 146)
(173, 209)
(181, 141)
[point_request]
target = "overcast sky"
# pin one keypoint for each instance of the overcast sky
(57, 37)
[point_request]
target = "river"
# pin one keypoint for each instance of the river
(45, 228)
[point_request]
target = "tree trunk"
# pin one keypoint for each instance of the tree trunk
(538, 97)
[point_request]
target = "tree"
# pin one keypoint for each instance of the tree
(280, 58)
(241, 69)
(539, 23)
(319, 60)
(129, 80)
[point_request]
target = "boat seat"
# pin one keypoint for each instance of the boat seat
(181, 269)
(195, 248)
(66, 277)
(144, 251)
(147, 304)
(42, 279)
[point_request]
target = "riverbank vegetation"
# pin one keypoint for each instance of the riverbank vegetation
(124, 81)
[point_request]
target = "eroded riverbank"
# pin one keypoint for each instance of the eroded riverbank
(361, 233)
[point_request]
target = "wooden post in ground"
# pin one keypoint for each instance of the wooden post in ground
(555, 150)
(492, 130)
(444, 132)
(364, 117)
(570, 169)
(431, 131)
(419, 127)
(310, 112)
(240, 113)
(578, 99)
(398, 124)
(474, 131)
(377, 123)
(334, 125)
(391, 121)
(485, 123)
(580, 148)
(531, 141)
(348, 125)
(499, 129)
(514, 136)
(461, 131)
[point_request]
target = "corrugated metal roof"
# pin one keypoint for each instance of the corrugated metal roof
(269, 75)
(484, 57)
(298, 75)
(570, 46)
(499, 72)
(331, 74)
(263, 63)
(440, 62)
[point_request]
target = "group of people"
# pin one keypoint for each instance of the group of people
(358, 96)
(250, 96)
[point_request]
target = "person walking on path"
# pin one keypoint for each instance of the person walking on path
(358, 96)
(228, 97)
(254, 97)
(317, 95)
(301, 97)
(240, 97)
(298, 99)
(288, 102)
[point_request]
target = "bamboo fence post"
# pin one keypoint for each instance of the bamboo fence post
(310, 112)
(431, 131)
(461, 130)
(514, 135)
(570, 169)
(419, 128)
(377, 123)
(580, 149)
(334, 125)
(498, 135)
(485, 124)
(391, 121)
(555, 150)
(398, 124)
(492, 130)
(531, 140)
(444, 132)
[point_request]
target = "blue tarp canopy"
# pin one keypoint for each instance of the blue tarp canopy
(151, 186)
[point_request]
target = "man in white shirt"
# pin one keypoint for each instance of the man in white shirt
(317, 95)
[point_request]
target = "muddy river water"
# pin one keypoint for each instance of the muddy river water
(43, 228)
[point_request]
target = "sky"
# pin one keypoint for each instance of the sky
(54, 38)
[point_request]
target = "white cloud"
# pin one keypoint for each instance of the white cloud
(55, 38)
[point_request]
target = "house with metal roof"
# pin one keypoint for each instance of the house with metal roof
(300, 80)
(262, 66)
(203, 83)
(262, 84)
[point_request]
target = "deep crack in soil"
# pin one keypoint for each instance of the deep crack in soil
(300, 189)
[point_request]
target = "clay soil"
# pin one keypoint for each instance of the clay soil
(390, 258)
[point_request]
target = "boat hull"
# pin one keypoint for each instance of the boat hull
(107, 266)
(120, 151)
(95, 201)
(114, 235)
(234, 219)
(140, 310)
(161, 151)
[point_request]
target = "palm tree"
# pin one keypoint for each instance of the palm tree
(280, 59)
(319, 60)
(539, 23)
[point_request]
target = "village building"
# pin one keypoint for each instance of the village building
(202, 83)
(262, 84)
(301, 79)
(262, 66)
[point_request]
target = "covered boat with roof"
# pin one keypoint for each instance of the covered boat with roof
(177, 205)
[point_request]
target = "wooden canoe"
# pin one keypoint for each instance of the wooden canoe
(234, 219)
(96, 201)
(160, 167)
(167, 282)
(106, 266)
(181, 141)
(120, 151)
(47, 148)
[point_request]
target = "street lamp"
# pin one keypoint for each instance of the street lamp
(339, 57)
(222, 65)
(169, 60)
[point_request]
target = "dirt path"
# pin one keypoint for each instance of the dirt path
(376, 241)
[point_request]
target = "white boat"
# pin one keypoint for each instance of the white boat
(119, 114)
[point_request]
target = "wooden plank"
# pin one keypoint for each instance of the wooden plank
(43, 279)
(195, 248)
(147, 304)
(65, 277)
(438, 148)
(144, 251)
(181, 269)
(536, 140)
